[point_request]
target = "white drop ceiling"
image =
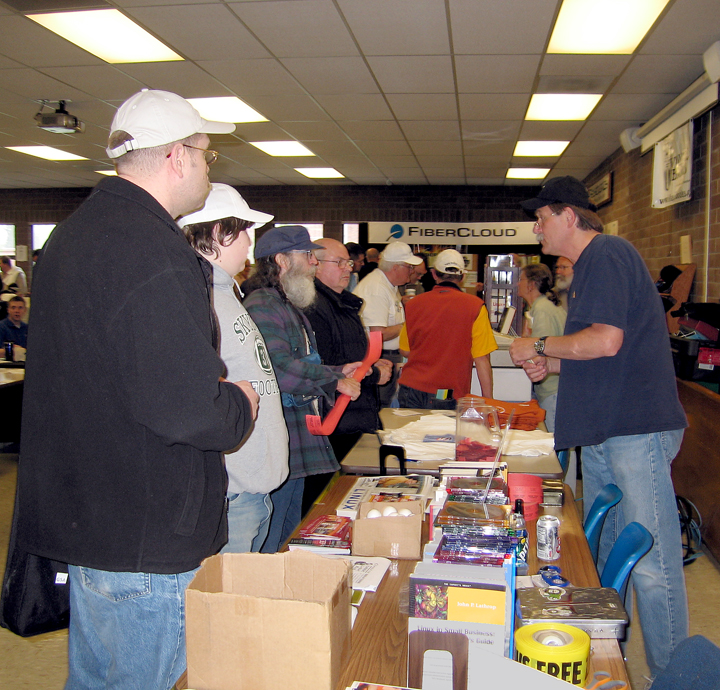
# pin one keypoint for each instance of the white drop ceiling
(386, 91)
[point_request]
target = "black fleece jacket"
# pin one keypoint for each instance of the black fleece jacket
(124, 416)
(341, 339)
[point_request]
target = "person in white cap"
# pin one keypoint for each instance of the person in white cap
(126, 411)
(446, 331)
(383, 310)
(260, 464)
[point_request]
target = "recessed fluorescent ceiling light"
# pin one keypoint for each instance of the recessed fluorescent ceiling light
(320, 173)
(226, 109)
(561, 106)
(283, 148)
(540, 148)
(527, 173)
(611, 27)
(108, 172)
(47, 152)
(108, 34)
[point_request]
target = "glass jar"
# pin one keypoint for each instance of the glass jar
(477, 430)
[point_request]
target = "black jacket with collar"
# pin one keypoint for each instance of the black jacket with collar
(124, 416)
(341, 339)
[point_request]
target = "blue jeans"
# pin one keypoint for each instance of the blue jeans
(248, 521)
(127, 630)
(640, 466)
(286, 515)
(413, 398)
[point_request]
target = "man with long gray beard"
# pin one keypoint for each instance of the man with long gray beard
(283, 285)
(563, 279)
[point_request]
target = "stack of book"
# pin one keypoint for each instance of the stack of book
(327, 534)
(411, 487)
(470, 605)
(473, 489)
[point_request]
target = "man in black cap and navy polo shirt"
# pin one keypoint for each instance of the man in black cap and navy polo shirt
(617, 398)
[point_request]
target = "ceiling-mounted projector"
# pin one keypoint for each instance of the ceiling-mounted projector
(60, 122)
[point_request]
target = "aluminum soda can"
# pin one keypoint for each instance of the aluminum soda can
(9, 352)
(548, 538)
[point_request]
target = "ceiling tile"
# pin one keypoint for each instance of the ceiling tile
(325, 130)
(689, 27)
(566, 65)
(34, 85)
(332, 75)
(184, 78)
(431, 130)
(646, 73)
(385, 148)
(289, 28)
(573, 83)
(414, 74)
(549, 130)
(631, 106)
(287, 108)
(487, 27)
(187, 27)
(398, 27)
(35, 46)
(362, 106)
(496, 73)
(423, 107)
(100, 81)
(493, 106)
(490, 131)
(372, 131)
(437, 148)
(264, 77)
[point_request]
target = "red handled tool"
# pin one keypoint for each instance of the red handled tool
(322, 428)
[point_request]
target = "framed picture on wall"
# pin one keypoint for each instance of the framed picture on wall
(602, 191)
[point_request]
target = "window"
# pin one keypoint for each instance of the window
(7, 240)
(351, 232)
(40, 233)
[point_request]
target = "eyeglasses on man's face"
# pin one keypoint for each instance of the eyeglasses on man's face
(341, 263)
(210, 156)
(540, 220)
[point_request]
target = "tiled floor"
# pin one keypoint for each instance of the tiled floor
(40, 662)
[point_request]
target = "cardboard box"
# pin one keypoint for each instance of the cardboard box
(392, 537)
(268, 621)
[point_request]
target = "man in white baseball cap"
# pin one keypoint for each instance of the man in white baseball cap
(435, 375)
(260, 464)
(127, 408)
(383, 309)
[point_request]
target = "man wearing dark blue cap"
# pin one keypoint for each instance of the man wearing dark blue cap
(282, 286)
(617, 398)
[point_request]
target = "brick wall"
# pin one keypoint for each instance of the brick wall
(656, 232)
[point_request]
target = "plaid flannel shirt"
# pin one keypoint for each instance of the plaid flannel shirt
(287, 332)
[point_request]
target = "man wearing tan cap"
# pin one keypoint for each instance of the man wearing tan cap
(125, 411)
(383, 310)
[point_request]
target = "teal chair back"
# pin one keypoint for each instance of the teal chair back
(632, 544)
(563, 457)
(609, 496)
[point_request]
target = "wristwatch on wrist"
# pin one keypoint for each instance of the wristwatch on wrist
(539, 345)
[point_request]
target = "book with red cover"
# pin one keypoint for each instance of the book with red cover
(327, 527)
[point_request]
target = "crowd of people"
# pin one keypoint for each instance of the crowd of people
(181, 431)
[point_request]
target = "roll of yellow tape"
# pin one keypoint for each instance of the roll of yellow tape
(554, 648)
